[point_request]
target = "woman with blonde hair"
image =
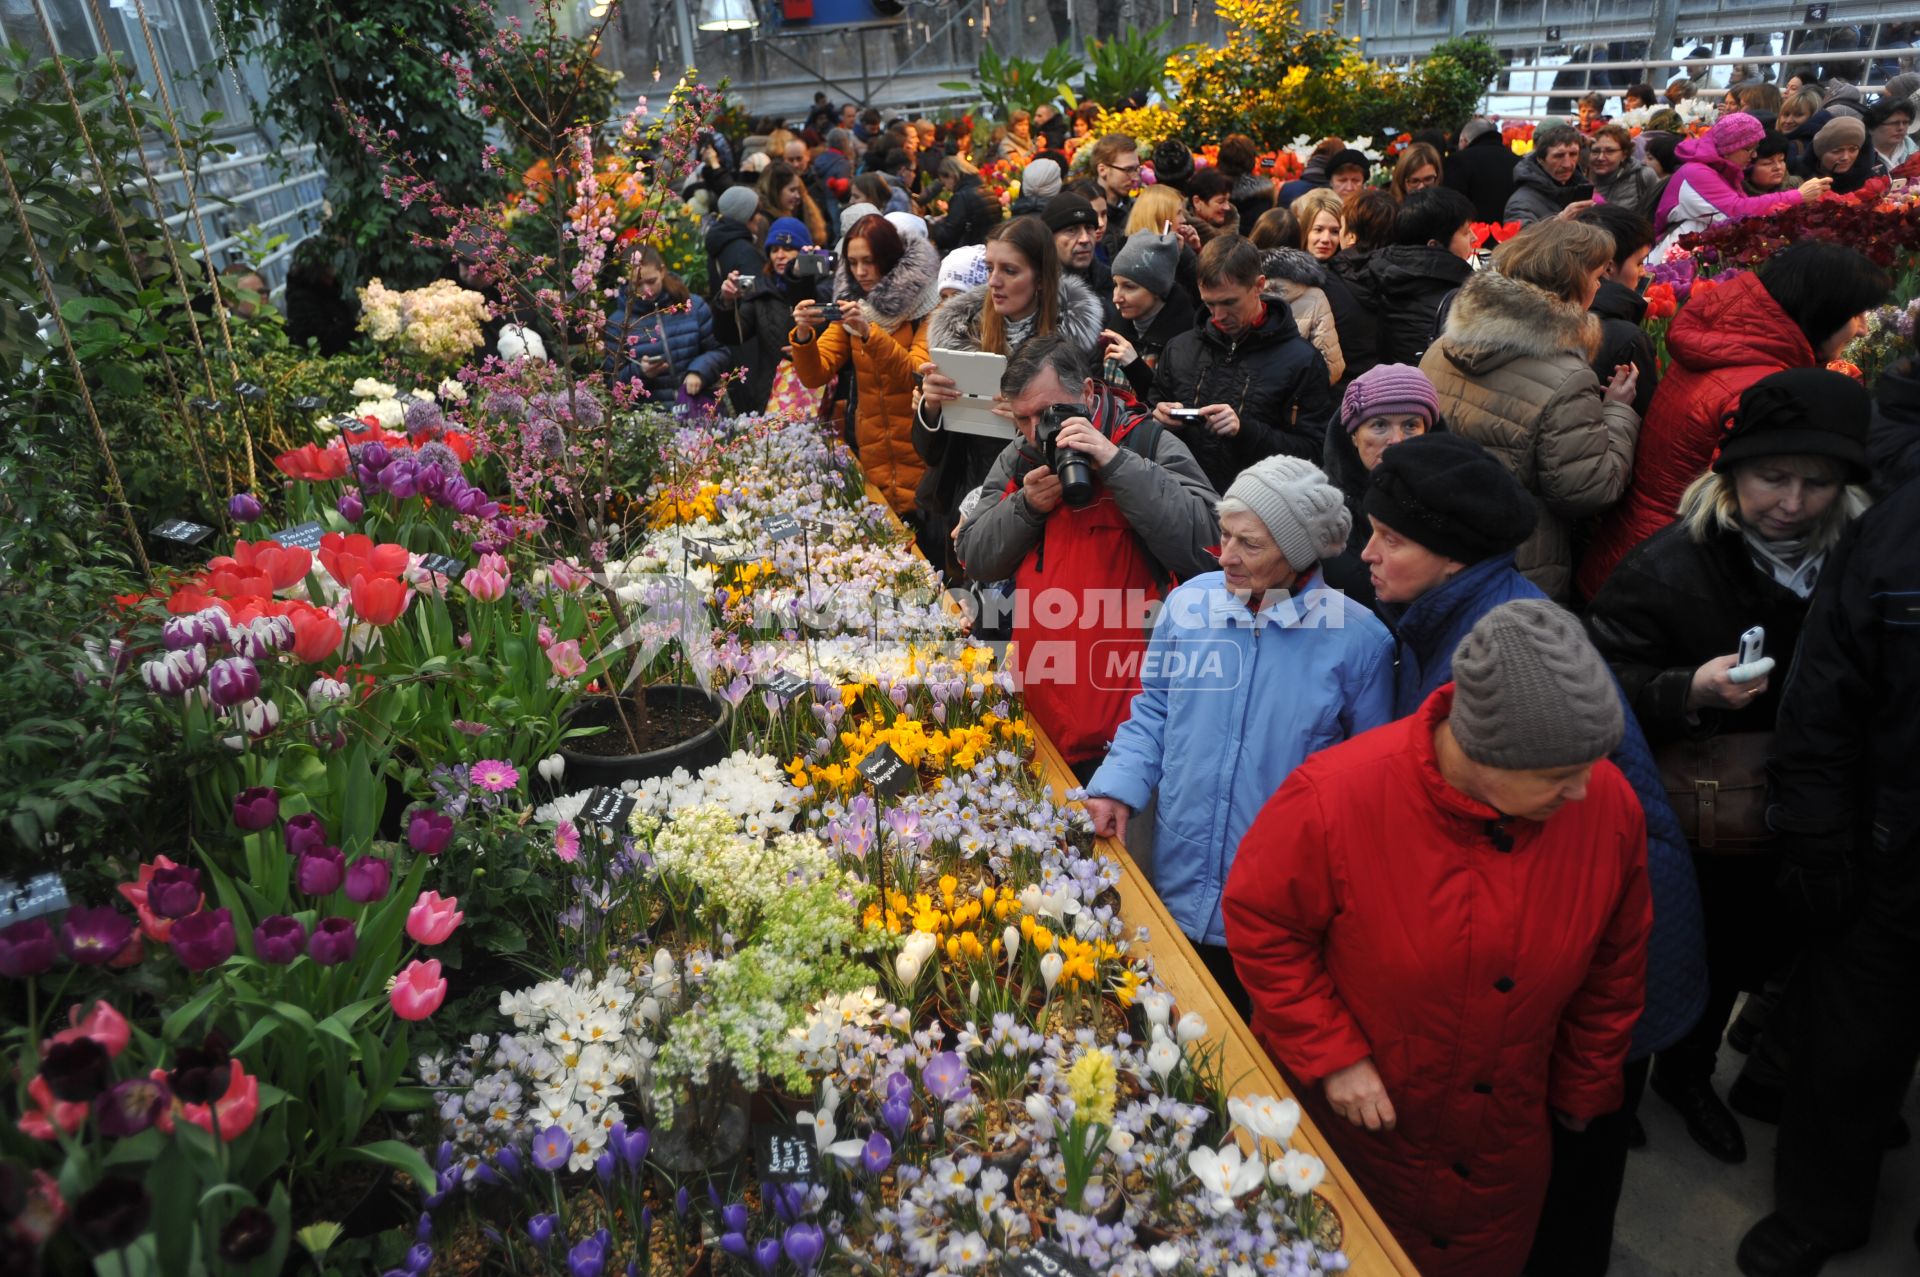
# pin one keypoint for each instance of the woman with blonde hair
(1417, 169)
(1154, 208)
(1513, 372)
(1319, 214)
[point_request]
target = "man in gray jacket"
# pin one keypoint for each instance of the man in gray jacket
(1093, 512)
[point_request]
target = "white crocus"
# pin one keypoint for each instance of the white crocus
(913, 955)
(1225, 1173)
(1159, 1007)
(1010, 941)
(1050, 968)
(1299, 1172)
(1163, 1057)
(848, 1151)
(1275, 1119)
(1040, 1112)
(1165, 1257)
(1119, 1141)
(1191, 1028)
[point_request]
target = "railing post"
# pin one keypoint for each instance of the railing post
(1457, 19)
(1666, 16)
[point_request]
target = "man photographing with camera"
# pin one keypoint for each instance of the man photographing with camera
(1094, 511)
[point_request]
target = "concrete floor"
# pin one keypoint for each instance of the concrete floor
(1682, 1213)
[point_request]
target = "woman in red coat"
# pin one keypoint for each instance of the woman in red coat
(1443, 926)
(1799, 311)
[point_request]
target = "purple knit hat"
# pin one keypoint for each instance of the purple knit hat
(1389, 388)
(1732, 132)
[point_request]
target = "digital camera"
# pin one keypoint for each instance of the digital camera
(1073, 467)
(812, 265)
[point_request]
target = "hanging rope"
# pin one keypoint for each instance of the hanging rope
(133, 267)
(79, 379)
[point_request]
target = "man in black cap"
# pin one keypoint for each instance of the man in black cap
(1076, 231)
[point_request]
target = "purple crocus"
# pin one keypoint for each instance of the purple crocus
(303, 832)
(94, 937)
(733, 1217)
(551, 1148)
(540, 1228)
(257, 808)
(174, 892)
(630, 1145)
(334, 941)
(896, 1113)
(27, 949)
(245, 507)
(131, 1107)
(877, 1155)
(203, 939)
(368, 879)
(509, 1162)
(279, 939)
(320, 870)
(804, 1244)
(945, 1077)
(232, 681)
(429, 831)
(766, 1255)
(588, 1258)
(604, 1166)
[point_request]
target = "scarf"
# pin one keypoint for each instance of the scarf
(1787, 562)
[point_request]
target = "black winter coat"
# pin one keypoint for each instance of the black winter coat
(1356, 314)
(1893, 441)
(730, 248)
(1674, 604)
(1272, 377)
(970, 215)
(1624, 341)
(1409, 283)
(757, 327)
(1174, 317)
(1483, 172)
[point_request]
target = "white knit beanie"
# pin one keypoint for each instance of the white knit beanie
(1304, 513)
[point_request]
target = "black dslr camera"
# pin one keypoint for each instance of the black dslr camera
(1073, 468)
(812, 264)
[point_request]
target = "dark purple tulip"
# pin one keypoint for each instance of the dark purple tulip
(368, 879)
(232, 681)
(131, 1107)
(200, 1074)
(766, 1255)
(303, 832)
(540, 1228)
(429, 831)
(589, 1257)
(247, 1235)
(333, 941)
(320, 871)
(75, 1071)
(877, 1155)
(27, 948)
(111, 1214)
(94, 937)
(551, 1148)
(279, 939)
(203, 940)
(804, 1244)
(245, 507)
(174, 892)
(351, 507)
(257, 808)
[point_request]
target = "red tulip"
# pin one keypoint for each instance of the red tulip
(355, 554)
(236, 1109)
(103, 1024)
(1482, 231)
(418, 990)
(379, 600)
(239, 582)
(316, 634)
(285, 566)
(41, 1121)
(313, 463)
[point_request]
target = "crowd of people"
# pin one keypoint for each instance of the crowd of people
(1495, 708)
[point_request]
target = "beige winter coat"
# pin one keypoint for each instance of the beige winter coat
(1512, 371)
(1314, 317)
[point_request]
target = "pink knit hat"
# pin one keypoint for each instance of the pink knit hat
(1731, 133)
(1389, 388)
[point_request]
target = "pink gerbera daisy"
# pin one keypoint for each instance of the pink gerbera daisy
(566, 842)
(494, 775)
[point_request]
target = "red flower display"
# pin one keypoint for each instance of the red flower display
(313, 463)
(285, 566)
(348, 556)
(378, 600)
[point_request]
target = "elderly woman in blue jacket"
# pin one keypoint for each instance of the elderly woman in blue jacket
(1446, 517)
(1250, 670)
(663, 336)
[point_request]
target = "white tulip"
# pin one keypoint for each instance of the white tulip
(1050, 968)
(552, 767)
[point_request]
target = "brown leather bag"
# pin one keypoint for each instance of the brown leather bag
(1718, 788)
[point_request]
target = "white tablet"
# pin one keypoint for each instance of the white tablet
(977, 373)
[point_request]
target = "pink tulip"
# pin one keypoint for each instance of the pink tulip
(418, 990)
(491, 562)
(103, 1024)
(566, 659)
(566, 576)
(485, 585)
(433, 918)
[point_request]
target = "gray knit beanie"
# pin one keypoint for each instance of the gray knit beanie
(739, 203)
(1040, 180)
(1902, 87)
(1305, 514)
(1531, 693)
(1149, 259)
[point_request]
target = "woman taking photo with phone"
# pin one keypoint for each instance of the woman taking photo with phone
(1746, 550)
(662, 336)
(755, 307)
(884, 287)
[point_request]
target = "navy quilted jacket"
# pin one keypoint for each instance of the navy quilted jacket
(1429, 631)
(679, 332)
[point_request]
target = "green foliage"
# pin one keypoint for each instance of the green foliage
(540, 87)
(1132, 60)
(380, 61)
(1019, 84)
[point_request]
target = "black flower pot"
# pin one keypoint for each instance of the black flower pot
(587, 770)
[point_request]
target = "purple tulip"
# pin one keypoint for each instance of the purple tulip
(766, 1255)
(94, 937)
(279, 939)
(131, 1107)
(76, 1071)
(945, 1077)
(333, 941)
(176, 672)
(319, 870)
(540, 1228)
(203, 939)
(257, 808)
(804, 1244)
(232, 681)
(183, 632)
(304, 832)
(551, 1148)
(368, 879)
(877, 1155)
(27, 949)
(174, 892)
(351, 507)
(245, 507)
(429, 831)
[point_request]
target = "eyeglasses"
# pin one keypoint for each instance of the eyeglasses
(1128, 169)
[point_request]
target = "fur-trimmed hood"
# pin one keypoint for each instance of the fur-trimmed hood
(956, 324)
(1496, 320)
(1294, 265)
(905, 293)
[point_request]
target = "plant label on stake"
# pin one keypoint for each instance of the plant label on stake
(1045, 1259)
(786, 1155)
(609, 810)
(183, 531)
(252, 392)
(44, 893)
(304, 536)
(307, 403)
(786, 686)
(781, 527)
(443, 564)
